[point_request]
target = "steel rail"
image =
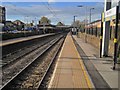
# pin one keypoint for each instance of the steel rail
(13, 60)
(6, 86)
(49, 67)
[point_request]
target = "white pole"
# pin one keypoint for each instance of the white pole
(106, 27)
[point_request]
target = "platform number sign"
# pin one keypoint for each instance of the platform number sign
(110, 14)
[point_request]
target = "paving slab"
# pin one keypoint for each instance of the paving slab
(103, 65)
(70, 71)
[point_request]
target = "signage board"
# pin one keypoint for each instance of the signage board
(110, 14)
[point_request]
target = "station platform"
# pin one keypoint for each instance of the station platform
(99, 69)
(70, 71)
(16, 40)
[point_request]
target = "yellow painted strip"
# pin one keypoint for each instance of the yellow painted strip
(83, 69)
(100, 37)
(115, 40)
(114, 17)
(107, 19)
(86, 76)
(102, 17)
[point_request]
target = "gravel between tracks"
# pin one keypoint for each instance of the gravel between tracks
(24, 51)
(13, 69)
(31, 77)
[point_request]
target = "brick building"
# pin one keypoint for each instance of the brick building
(2, 15)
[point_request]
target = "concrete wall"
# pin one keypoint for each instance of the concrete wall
(95, 41)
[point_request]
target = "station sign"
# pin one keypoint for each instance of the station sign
(110, 14)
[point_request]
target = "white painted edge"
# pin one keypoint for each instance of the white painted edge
(51, 81)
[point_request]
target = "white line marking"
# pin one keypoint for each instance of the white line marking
(50, 84)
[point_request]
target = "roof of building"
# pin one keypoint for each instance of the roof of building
(95, 21)
(10, 22)
(2, 7)
(18, 21)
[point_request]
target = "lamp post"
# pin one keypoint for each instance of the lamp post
(91, 28)
(85, 20)
(74, 24)
(85, 12)
(80, 7)
(90, 13)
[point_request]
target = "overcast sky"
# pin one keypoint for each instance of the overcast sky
(55, 11)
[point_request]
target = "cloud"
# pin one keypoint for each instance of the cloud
(51, 1)
(34, 10)
(63, 14)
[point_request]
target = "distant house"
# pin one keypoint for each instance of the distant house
(60, 24)
(11, 26)
(18, 22)
(10, 23)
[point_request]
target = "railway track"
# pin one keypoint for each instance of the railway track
(13, 68)
(33, 74)
(44, 82)
(23, 52)
(14, 56)
(10, 49)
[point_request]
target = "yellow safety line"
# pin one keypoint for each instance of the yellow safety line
(83, 69)
(115, 40)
